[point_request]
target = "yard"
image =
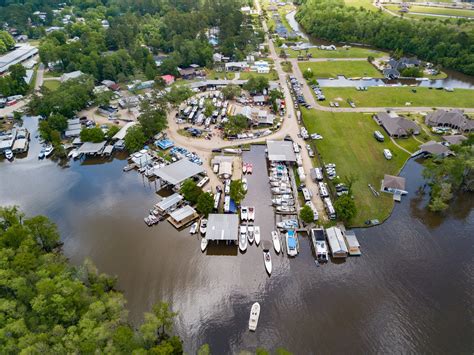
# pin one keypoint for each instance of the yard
(352, 52)
(270, 76)
(51, 84)
(410, 144)
(350, 69)
(349, 143)
(366, 4)
(435, 10)
(399, 97)
(213, 74)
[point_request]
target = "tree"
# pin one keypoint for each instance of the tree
(237, 191)
(103, 98)
(178, 94)
(208, 109)
(57, 122)
(152, 119)
(190, 191)
(256, 84)
(112, 131)
(273, 96)
(306, 214)
(134, 139)
(205, 203)
(94, 135)
(44, 232)
(345, 208)
(231, 91)
(308, 74)
(205, 349)
(236, 125)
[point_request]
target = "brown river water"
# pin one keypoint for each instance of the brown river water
(410, 292)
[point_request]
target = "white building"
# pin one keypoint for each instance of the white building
(20, 54)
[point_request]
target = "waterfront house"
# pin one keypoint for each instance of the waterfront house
(169, 203)
(453, 119)
(396, 126)
(336, 242)
(223, 227)
(435, 149)
(394, 185)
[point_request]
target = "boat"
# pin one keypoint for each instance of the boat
(267, 259)
(249, 168)
(244, 184)
(193, 228)
(243, 213)
(203, 244)
(129, 167)
(285, 209)
(203, 226)
(254, 315)
(291, 243)
(276, 241)
(256, 233)
(320, 245)
(48, 150)
(8, 154)
(73, 154)
(287, 224)
(251, 213)
(243, 238)
(250, 234)
(41, 154)
(281, 190)
(244, 168)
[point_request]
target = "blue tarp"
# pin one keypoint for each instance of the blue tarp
(164, 144)
(291, 242)
(232, 206)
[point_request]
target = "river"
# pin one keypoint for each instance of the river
(409, 292)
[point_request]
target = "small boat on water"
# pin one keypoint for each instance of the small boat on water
(267, 259)
(251, 211)
(193, 228)
(73, 154)
(291, 243)
(249, 168)
(276, 241)
(250, 234)
(8, 154)
(244, 184)
(203, 226)
(257, 235)
(243, 213)
(287, 224)
(244, 168)
(254, 315)
(243, 238)
(129, 167)
(48, 150)
(203, 244)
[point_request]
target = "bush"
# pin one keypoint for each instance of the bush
(94, 135)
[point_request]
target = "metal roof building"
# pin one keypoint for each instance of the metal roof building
(20, 54)
(176, 173)
(336, 242)
(281, 151)
(123, 131)
(222, 227)
(169, 202)
(182, 216)
(91, 148)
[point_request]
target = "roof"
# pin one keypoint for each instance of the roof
(205, 83)
(222, 227)
(455, 139)
(72, 132)
(453, 118)
(351, 238)
(71, 75)
(21, 53)
(182, 213)
(91, 148)
(169, 201)
(336, 241)
(123, 131)
(281, 151)
(108, 149)
(179, 171)
(394, 182)
(397, 126)
(434, 148)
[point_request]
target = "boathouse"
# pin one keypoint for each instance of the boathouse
(183, 216)
(175, 173)
(281, 151)
(169, 203)
(336, 243)
(394, 185)
(223, 227)
(90, 148)
(352, 243)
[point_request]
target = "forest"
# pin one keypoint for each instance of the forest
(446, 43)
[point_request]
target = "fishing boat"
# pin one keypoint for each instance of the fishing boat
(267, 259)
(203, 244)
(251, 212)
(8, 154)
(73, 154)
(254, 315)
(48, 150)
(129, 167)
(276, 241)
(291, 243)
(287, 224)
(250, 234)
(193, 228)
(244, 184)
(41, 154)
(203, 226)
(256, 232)
(243, 213)
(249, 168)
(243, 238)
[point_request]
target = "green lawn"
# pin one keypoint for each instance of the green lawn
(270, 76)
(366, 4)
(435, 10)
(399, 96)
(52, 84)
(350, 69)
(352, 52)
(212, 74)
(410, 144)
(349, 143)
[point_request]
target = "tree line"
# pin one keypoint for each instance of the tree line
(449, 44)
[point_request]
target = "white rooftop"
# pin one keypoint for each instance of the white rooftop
(281, 151)
(179, 171)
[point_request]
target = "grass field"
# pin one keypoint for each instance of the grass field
(366, 4)
(350, 69)
(353, 52)
(270, 76)
(52, 84)
(410, 144)
(349, 143)
(212, 74)
(435, 10)
(399, 96)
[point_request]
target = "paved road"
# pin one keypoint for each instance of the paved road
(39, 77)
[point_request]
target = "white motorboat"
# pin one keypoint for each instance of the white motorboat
(267, 259)
(251, 211)
(291, 243)
(243, 213)
(73, 154)
(244, 168)
(254, 315)
(41, 154)
(276, 241)
(281, 190)
(8, 154)
(283, 202)
(249, 168)
(203, 226)
(243, 238)
(250, 234)
(287, 224)
(285, 209)
(48, 150)
(203, 244)
(256, 233)
(244, 184)
(193, 228)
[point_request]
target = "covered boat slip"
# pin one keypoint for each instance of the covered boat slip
(175, 173)
(352, 243)
(281, 151)
(169, 203)
(223, 227)
(336, 242)
(183, 216)
(89, 148)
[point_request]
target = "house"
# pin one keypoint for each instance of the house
(189, 73)
(396, 126)
(453, 119)
(390, 73)
(169, 203)
(20, 54)
(168, 79)
(159, 59)
(394, 185)
(454, 139)
(394, 66)
(259, 100)
(72, 75)
(237, 66)
(435, 148)
(261, 67)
